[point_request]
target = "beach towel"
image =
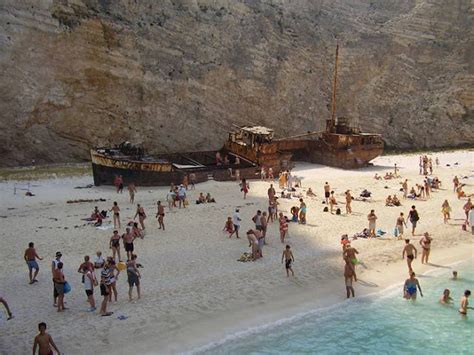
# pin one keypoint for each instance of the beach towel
(105, 227)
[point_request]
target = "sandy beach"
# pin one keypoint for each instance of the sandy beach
(194, 289)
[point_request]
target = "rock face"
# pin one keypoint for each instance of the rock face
(175, 74)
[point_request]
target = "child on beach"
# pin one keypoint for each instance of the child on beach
(44, 341)
(289, 259)
(229, 226)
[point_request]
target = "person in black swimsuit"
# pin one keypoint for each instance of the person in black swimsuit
(115, 244)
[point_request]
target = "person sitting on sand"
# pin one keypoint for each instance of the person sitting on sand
(229, 226)
(388, 201)
(377, 177)
(396, 201)
(410, 288)
(99, 261)
(201, 199)
(210, 199)
(44, 341)
(412, 194)
(310, 193)
(388, 176)
(137, 232)
(446, 298)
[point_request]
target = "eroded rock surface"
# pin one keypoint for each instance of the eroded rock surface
(175, 74)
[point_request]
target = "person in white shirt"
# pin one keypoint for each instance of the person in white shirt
(236, 221)
(99, 261)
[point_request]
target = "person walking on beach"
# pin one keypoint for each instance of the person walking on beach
(372, 218)
(141, 215)
(59, 281)
(455, 183)
(30, 258)
(43, 342)
(410, 288)
(236, 221)
(405, 188)
(131, 191)
(133, 276)
(116, 211)
(89, 283)
(446, 210)
(181, 196)
(170, 198)
(128, 239)
(348, 202)
(349, 277)
(410, 251)
(7, 308)
(283, 227)
(425, 243)
(161, 215)
(399, 225)
(289, 259)
(114, 244)
(54, 266)
(327, 192)
(414, 218)
(465, 303)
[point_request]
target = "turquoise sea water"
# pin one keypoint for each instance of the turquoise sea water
(378, 324)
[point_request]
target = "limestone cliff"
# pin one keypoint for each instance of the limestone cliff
(174, 74)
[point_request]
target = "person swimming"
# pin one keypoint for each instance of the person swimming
(446, 298)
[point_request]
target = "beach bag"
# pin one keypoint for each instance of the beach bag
(67, 287)
(338, 211)
(325, 209)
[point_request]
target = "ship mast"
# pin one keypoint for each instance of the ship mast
(332, 122)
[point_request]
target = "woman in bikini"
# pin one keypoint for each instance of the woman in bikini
(425, 243)
(115, 245)
(141, 215)
(116, 210)
(446, 209)
(283, 227)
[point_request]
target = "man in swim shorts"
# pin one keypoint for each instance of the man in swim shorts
(410, 287)
(30, 258)
(327, 192)
(410, 252)
(289, 259)
(44, 341)
(128, 239)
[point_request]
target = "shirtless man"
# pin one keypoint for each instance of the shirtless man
(59, 281)
(348, 202)
(128, 239)
(399, 225)
(410, 252)
(116, 210)
(131, 191)
(271, 192)
(161, 215)
(410, 288)
(30, 258)
(289, 259)
(327, 192)
(44, 341)
(349, 276)
(465, 303)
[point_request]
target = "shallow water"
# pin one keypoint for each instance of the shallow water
(383, 323)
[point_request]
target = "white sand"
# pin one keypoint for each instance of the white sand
(194, 290)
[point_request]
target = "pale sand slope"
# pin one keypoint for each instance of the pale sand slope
(194, 290)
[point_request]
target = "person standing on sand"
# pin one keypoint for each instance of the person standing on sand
(425, 243)
(30, 258)
(133, 275)
(302, 214)
(89, 283)
(446, 210)
(399, 225)
(467, 207)
(327, 192)
(410, 252)
(181, 196)
(141, 215)
(114, 244)
(54, 266)
(257, 219)
(236, 221)
(116, 210)
(104, 289)
(170, 197)
(59, 281)
(410, 288)
(264, 226)
(271, 192)
(405, 188)
(192, 181)
(289, 259)
(470, 219)
(332, 202)
(283, 227)
(161, 215)
(372, 218)
(349, 276)
(43, 342)
(465, 303)
(414, 218)
(348, 202)
(5, 304)
(244, 187)
(455, 183)
(128, 239)
(131, 191)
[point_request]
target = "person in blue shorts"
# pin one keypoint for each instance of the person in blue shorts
(30, 258)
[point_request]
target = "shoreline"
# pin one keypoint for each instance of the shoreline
(280, 312)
